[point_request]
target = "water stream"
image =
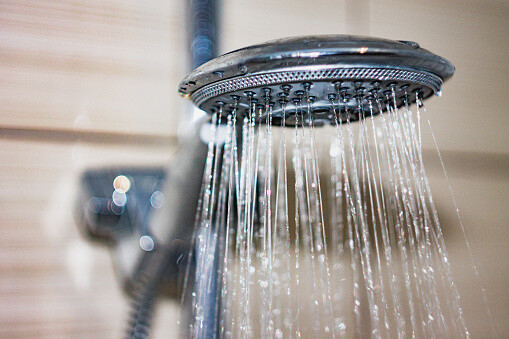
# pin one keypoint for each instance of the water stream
(321, 231)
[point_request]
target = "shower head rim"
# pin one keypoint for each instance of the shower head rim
(314, 73)
(347, 50)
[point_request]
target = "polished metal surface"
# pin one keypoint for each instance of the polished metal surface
(316, 70)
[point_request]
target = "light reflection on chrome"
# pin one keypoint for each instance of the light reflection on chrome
(94, 205)
(119, 197)
(157, 199)
(122, 182)
(147, 243)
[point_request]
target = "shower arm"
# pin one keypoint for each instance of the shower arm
(202, 17)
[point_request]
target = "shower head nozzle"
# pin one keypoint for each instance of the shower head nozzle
(318, 72)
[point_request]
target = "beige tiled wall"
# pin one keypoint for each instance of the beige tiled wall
(113, 66)
(102, 65)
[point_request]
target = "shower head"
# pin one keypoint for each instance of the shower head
(318, 73)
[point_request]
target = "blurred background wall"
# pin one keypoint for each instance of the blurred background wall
(93, 83)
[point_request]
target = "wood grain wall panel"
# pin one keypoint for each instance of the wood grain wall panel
(109, 66)
(52, 282)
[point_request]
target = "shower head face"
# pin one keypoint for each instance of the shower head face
(321, 74)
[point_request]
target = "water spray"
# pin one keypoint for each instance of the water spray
(282, 251)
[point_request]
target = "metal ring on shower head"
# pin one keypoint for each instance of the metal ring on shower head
(288, 73)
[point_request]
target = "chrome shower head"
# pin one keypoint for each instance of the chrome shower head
(317, 73)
